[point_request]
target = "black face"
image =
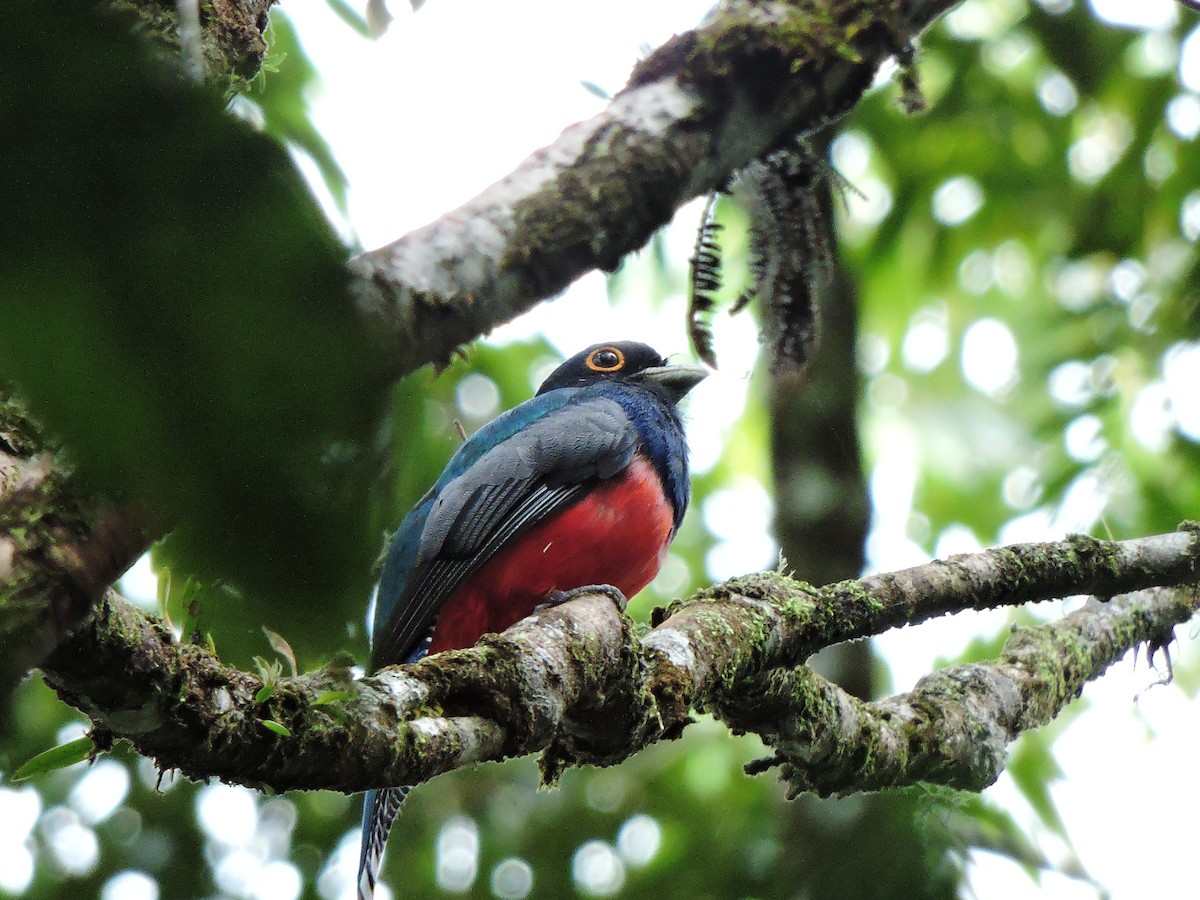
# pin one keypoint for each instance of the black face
(618, 360)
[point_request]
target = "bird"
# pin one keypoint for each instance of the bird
(582, 487)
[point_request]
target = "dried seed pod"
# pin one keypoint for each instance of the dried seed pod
(790, 248)
(705, 281)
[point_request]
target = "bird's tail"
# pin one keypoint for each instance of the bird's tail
(379, 811)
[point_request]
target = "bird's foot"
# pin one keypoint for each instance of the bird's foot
(557, 598)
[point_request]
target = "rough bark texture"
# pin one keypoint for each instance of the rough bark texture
(955, 726)
(701, 107)
(59, 550)
(230, 43)
(577, 683)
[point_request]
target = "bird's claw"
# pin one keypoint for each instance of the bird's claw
(557, 598)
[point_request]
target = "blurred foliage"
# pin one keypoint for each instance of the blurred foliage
(176, 310)
(1045, 194)
(281, 97)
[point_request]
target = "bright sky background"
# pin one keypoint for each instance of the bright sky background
(450, 100)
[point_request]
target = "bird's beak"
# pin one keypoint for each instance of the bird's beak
(678, 379)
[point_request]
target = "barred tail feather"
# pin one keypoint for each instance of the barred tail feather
(380, 809)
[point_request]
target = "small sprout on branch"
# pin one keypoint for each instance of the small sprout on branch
(55, 758)
(332, 697)
(282, 647)
(270, 673)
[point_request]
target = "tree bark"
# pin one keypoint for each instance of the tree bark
(226, 47)
(59, 548)
(697, 110)
(577, 684)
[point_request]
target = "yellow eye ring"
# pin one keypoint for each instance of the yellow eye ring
(605, 359)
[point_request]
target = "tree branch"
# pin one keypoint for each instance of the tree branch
(59, 550)
(766, 620)
(576, 683)
(955, 726)
(702, 106)
(231, 43)
(697, 110)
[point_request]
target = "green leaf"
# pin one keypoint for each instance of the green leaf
(164, 592)
(350, 16)
(278, 727)
(1034, 769)
(332, 697)
(264, 693)
(282, 647)
(55, 758)
(269, 672)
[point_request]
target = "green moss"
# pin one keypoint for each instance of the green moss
(19, 435)
(232, 47)
(749, 52)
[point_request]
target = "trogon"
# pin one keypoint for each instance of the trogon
(583, 485)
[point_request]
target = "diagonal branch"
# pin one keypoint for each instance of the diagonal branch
(576, 683)
(697, 110)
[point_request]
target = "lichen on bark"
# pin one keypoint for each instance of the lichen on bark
(582, 685)
(59, 546)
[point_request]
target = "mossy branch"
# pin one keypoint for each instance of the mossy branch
(697, 110)
(228, 45)
(954, 727)
(790, 620)
(576, 683)
(693, 113)
(59, 549)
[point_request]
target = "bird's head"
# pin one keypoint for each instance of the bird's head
(628, 362)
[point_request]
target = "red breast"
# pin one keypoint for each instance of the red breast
(617, 534)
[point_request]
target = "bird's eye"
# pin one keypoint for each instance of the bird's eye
(606, 359)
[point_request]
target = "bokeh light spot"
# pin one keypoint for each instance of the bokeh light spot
(512, 879)
(477, 396)
(956, 200)
(227, 813)
(100, 791)
(597, 870)
(458, 855)
(130, 885)
(989, 356)
(638, 840)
